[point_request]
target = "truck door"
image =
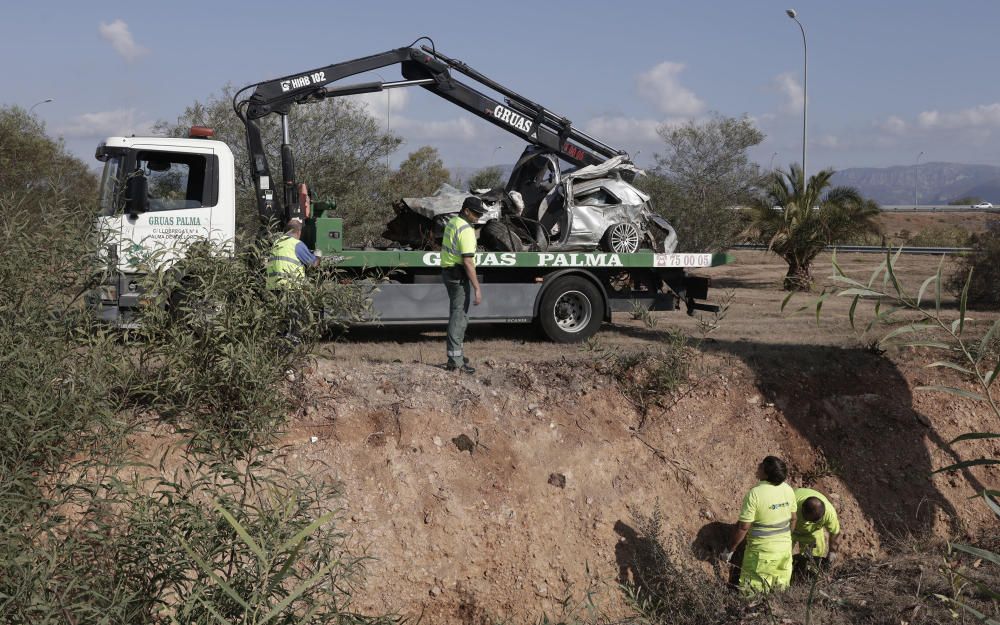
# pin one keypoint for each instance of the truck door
(182, 189)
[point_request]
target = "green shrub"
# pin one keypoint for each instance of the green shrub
(648, 377)
(215, 346)
(984, 289)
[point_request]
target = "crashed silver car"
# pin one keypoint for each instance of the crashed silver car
(544, 209)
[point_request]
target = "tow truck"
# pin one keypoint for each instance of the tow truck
(161, 193)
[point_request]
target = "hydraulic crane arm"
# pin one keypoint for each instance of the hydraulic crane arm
(423, 67)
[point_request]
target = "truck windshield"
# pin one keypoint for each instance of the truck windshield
(110, 196)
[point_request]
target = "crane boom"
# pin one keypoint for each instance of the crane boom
(423, 67)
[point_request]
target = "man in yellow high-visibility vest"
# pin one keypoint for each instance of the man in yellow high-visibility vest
(286, 274)
(766, 521)
(458, 272)
(815, 514)
(289, 258)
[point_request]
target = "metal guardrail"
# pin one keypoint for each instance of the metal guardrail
(936, 208)
(872, 249)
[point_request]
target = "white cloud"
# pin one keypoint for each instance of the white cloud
(828, 141)
(893, 125)
(121, 122)
(414, 130)
(460, 129)
(623, 130)
(118, 35)
(982, 116)
(393, 101)
(661, 87)
(789, 87)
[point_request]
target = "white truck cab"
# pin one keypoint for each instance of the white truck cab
(157, 196)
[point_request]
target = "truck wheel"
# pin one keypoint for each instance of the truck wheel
(622, 238)
(572, 310)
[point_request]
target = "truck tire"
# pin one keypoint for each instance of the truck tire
(571, 311)
(499, 237)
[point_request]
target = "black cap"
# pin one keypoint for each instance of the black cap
(474, 204)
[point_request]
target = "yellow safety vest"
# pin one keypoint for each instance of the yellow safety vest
(459, 238)
(283, 267)
(768, 509)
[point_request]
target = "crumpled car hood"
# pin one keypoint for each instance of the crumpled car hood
(447, 200)
(619, 163)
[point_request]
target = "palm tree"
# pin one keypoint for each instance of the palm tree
(796, 219)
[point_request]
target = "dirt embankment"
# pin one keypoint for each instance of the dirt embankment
(933, 228)
(499, 494)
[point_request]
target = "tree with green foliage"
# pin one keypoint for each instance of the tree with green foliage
(486, 178)
(702, 176)
(796, 219)
(419, 175)
(95, 531)
(36, 167)
(340, 151)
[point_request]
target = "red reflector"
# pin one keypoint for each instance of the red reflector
(201, 132)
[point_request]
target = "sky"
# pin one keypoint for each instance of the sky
(889, 82)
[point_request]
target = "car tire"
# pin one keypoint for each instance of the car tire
(499, 237)
(621, 238)
(571, 311)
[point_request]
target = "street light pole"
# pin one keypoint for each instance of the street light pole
(494, 156)
(915, 180)
(31, 111)
(770, 166)
(805, 88)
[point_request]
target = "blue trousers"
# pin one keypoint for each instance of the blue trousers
(459, 299)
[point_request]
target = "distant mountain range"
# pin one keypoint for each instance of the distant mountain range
(936, 183)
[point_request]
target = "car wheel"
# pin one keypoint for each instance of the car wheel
(622, 238)
(572, 310)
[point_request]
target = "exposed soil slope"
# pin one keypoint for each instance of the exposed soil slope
(498, 494)
(501, 494)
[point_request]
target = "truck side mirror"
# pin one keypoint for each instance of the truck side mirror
(136, 194)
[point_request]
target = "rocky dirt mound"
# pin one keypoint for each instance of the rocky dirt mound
(503, 493)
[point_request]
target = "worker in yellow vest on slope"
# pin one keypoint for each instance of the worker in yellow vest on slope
(766, 521)
(815, 514)
(286, 274)
(458, 272)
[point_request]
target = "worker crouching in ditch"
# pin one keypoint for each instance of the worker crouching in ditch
(458, 272)
(766, 521)
(815, 515)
